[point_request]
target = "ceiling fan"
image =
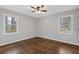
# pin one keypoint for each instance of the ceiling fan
(38, 9)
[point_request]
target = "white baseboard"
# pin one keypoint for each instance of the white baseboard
(60, 40)
(16, 40)
(39, 36)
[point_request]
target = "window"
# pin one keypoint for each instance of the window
(65, 24)
(10, 24)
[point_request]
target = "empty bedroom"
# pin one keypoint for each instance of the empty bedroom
(39, 29)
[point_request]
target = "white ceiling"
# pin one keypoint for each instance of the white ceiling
(51, 9)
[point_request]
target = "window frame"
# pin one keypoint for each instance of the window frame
(68, 32)
(4, 24)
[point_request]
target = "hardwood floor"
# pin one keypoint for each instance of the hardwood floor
(39, 45)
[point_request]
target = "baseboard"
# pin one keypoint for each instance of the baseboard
(59, 41)
(38, 37)
(16, 41)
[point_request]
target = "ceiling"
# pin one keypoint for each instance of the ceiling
(51, 9)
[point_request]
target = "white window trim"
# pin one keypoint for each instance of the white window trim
(4, 32)
(71, 24)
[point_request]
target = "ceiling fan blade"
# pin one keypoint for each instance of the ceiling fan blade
(32, 7)
(33, 11)
(44, 10)
(42, 6)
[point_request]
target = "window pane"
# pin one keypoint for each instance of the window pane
(10, 24)
(10, 28)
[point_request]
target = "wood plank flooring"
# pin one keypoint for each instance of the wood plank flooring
(39, 45)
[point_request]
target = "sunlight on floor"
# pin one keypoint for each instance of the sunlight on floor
(64, 51)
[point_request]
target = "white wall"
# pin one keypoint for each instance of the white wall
(27, 28)
(44, 27)
(48, 27)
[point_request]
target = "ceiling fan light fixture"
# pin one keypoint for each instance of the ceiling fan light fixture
(38, 12)
(39, 9)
